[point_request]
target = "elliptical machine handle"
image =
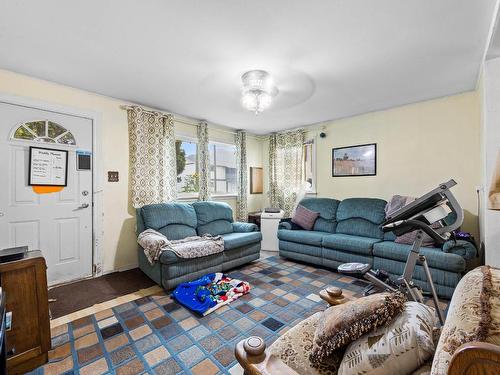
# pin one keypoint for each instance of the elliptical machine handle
(416, 225)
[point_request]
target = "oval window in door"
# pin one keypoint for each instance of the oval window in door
(44, 131)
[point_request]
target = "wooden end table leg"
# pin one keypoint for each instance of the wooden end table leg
(333, 296)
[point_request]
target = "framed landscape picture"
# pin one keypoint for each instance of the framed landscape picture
(360, 160)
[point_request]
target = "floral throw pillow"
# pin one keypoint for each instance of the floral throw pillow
(398, 348)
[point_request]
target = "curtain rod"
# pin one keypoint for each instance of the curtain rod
(165, 114)
(217, 129)
(185, 121)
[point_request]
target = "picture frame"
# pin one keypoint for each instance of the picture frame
(256, 180)
(47, 167)
(355, 161)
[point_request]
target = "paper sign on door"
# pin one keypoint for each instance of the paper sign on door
(48, 167)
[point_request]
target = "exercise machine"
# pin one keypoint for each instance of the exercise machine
(437, 206)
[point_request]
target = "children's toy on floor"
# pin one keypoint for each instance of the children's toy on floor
(210, 292)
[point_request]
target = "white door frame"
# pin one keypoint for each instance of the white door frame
(97, 167)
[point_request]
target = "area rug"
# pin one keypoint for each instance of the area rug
(156, 335)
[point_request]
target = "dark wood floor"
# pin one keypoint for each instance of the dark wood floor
(82, 294)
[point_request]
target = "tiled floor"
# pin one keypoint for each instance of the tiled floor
(153, 334)
(116, 301)
(105, 305)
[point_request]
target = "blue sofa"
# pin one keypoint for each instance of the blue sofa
(180, 220)
(349, 231)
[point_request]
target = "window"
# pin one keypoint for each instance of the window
(309, 167)
(44, 131)
(188, 182)
(222, 168)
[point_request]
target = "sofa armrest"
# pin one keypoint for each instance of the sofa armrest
(475, 358)
(463, 248)
(239, 227)
(262, 364)
(285, 225)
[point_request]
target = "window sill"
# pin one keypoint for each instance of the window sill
(224, 196)
(187, 197)
(216, 196)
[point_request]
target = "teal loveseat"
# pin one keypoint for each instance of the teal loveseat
(349, 231)
(180, 220)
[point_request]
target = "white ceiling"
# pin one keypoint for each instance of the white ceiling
(330, 59)
(494, 48)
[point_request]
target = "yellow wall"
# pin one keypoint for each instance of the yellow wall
(418, 146)
(119, 243)
(490, 153)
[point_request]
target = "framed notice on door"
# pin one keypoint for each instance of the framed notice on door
(47, 167)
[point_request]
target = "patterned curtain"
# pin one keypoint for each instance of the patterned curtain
(285, 169)
(242, 176)
(494, 192)
(273, 180)
(153, 172)
(203, 162)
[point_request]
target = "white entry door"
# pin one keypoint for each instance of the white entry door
(58, 223)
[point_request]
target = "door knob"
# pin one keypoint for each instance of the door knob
(84, 205)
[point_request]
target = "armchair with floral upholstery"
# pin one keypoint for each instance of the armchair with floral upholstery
(469, 342)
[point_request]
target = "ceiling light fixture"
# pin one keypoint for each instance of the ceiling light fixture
(258, 90)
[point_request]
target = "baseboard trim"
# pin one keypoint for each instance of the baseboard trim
(121, 269)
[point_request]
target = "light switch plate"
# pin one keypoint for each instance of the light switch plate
(113, 176)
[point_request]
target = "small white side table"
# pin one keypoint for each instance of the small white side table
(269, 227)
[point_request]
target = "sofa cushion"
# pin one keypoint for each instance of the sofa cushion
(173, 220)
(217, 227)
(327, 208)
(436, 258)
(353, 244)
(235, 240)
(213, 218)
(361, 217)
(302, 236)
(206, 212)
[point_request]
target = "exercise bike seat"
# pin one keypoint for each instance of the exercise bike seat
(356, 269)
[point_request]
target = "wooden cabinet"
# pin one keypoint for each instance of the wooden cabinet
(254, 218)
(24, 283)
